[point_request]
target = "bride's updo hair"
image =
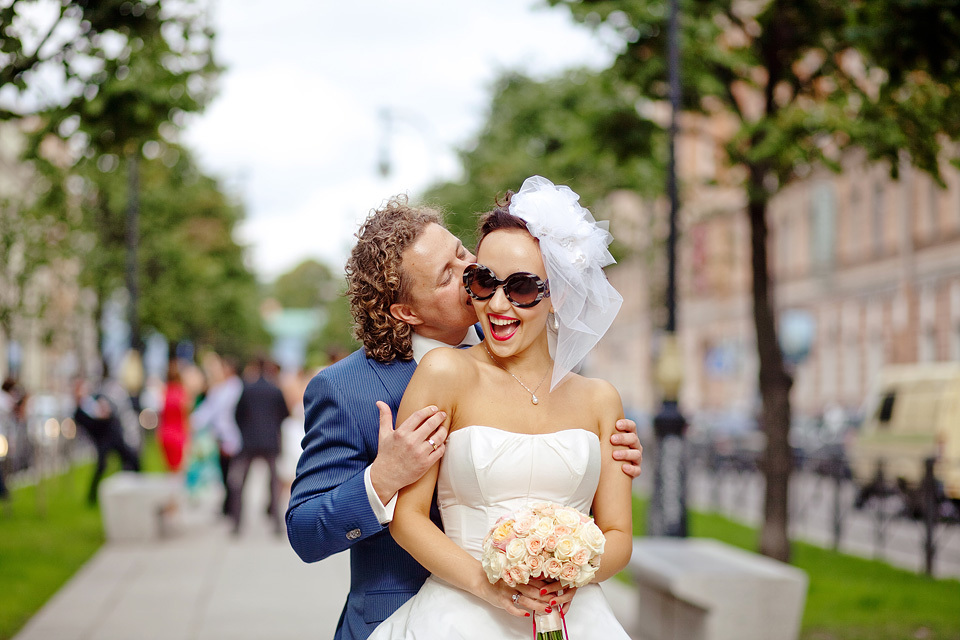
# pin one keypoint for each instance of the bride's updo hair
(498, 220)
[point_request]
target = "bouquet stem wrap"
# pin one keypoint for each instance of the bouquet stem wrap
(548, 626)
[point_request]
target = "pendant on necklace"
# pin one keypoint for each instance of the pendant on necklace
(534, 399)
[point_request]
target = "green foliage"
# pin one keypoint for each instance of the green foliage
(47, 532)
(335, 340)
(194, 283)
(804, 80)
(45, 537)
(581, 129)
(848, 598)
(309, 285)
(107, 146)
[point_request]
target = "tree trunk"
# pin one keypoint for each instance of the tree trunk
(777, 461)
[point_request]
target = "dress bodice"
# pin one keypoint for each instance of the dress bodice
(487, 473)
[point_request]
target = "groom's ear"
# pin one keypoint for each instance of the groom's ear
(405, 313)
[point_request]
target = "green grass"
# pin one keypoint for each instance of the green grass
(849, 598)
(47, 532)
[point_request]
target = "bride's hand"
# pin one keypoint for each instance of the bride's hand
(554, 594)
(518, 601)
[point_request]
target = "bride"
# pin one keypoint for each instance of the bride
(514, 441)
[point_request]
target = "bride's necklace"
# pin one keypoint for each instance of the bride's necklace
(533, 394)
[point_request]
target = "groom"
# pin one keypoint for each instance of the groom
(404, 282)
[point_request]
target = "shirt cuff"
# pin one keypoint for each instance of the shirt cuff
(384, 513)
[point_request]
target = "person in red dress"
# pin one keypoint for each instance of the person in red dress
(172, 433)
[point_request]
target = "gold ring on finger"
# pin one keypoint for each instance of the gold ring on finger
(433, 444)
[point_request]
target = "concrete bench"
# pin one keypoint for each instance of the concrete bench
(701, 589)
(139, 507)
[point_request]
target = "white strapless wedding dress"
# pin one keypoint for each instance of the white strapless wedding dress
(487, 473)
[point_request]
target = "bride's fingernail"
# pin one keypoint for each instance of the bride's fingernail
(553, 602)
(548, 609)
(527, 615)
(543, 592)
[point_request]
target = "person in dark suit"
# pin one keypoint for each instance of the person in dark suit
(261, 409)
(99, 418)
(406, 294)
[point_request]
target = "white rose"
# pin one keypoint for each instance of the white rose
(493, 565)
(544, 527)
(566, 547)
(516, 551)
(592, 538)
(587, 573)
(568, 518)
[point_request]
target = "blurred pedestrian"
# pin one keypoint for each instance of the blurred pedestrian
(217, 412)
(6, 426)
(172, 433)
(97, 415)
(261, 410)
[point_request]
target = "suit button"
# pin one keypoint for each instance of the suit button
(353, 534)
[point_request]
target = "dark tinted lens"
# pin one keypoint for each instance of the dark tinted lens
(482, 282)
(522, 288)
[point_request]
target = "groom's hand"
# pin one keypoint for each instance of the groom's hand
(405, 453)
(626, 435)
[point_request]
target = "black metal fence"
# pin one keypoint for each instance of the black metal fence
(912, 526)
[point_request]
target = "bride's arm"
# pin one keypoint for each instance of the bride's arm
(612, 510)
(439, 379)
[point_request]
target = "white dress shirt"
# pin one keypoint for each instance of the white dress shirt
(421, 346)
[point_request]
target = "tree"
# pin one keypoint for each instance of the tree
(110, 79)
(60, 52)
(580, 128)
(309, 285)
(804, 81)
(197, 284)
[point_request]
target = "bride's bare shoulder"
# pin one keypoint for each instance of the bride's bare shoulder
(447, 364)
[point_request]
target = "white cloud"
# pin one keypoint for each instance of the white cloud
(297, 125)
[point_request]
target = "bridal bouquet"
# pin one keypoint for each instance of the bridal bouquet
(546, 541)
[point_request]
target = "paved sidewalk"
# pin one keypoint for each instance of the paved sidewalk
(205, 584)
(201, 584)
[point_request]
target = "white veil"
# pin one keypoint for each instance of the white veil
(574, 249)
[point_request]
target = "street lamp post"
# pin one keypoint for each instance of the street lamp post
(667, 515)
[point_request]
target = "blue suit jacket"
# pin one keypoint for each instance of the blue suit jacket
(329, 511)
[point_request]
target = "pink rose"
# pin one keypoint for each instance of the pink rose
(535, 564)
(580, 557)
(569, 573)
(525, 525)
(550, 542)
(534, 545)
(562, 530)
(546, 509)
(552, 568)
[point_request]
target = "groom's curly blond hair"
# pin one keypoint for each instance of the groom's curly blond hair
(375, 277)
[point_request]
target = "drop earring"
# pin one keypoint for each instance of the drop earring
(555, 323)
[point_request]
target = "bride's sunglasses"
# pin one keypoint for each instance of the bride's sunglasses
(522, 289)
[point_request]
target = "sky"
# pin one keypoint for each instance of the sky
(298, 127)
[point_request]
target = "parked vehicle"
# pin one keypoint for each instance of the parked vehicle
(911, 414)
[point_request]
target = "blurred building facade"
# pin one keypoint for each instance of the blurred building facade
(866, 272)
